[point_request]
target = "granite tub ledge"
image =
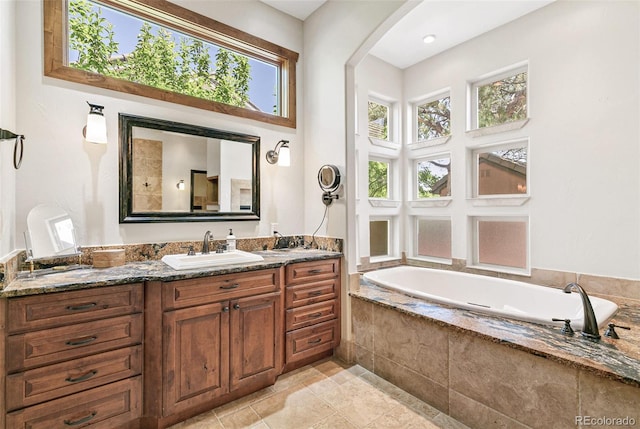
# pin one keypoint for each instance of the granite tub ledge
(152, 270)
(614, 359)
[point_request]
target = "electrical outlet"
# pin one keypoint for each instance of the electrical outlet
(274, 228)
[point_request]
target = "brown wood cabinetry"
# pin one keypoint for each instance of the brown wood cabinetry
(312, 321)
(221, 339)
(74, 359)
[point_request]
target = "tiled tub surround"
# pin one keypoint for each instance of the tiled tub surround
(13, 263)
(490, 372)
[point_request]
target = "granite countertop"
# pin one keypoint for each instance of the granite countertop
(614, 359)
(151, 270)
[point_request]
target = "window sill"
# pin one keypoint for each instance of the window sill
(435, 202)
(418, 259)
(513, 201)
(501, 269)
(428, 143)
(496, 129)
(384, 203)
(384, 143)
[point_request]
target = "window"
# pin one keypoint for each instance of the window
(379, 179)
(432, 177)
(378, 120)
(379, 238)
(499, 99)
(501, 242)
(501, 170)
(433, 238)
(169, 53)
(433, 119)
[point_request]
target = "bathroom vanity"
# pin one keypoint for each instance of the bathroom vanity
(150, 353)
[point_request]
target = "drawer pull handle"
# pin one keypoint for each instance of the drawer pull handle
(81, 306)
(81, 342)
(315, 315)
(233, 286)
(82, 377)
(315, 271)
(314, 341)
(80, 421)
(315, 293)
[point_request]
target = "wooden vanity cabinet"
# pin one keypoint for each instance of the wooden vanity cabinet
(74, 358)
(312, 321)
(221, 339)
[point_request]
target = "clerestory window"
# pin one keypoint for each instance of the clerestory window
(160, 50)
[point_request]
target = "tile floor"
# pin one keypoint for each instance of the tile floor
(326, 395)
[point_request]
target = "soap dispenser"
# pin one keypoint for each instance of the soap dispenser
(231, 241)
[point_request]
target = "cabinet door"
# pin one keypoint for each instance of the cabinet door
(196, 353)
(256, 340)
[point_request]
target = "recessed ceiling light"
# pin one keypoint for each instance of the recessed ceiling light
(429, 38)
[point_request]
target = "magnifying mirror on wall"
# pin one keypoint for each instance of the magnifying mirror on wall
(50, 233)
(329, 180)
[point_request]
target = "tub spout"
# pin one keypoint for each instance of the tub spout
(590, 324)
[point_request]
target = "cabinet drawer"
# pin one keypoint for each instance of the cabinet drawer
(311, 314)
(187, 293)
(64, 308)
(312, 270)
(39, 348)
(306, 342)
(311, 293)
(54, 381)
(106, 407)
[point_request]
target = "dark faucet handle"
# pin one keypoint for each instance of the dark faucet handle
(611, 332)
(191, 252)
(566, 329)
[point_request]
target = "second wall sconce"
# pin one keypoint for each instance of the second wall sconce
(180, 185)
(96, 129)
(280, 154)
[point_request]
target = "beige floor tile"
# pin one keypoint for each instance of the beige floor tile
(244, 402)
(334, 421)
(402, 417)
(296, 407)
(241, 419)
(326, 395)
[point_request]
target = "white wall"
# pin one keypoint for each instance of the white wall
(385, 83)
(584, 77)
(331, 37)
(7, 122)
(60, 168)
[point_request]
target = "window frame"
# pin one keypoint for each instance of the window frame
(390, 141)
(414, 115)
(416, 231)
(191, 23)
(474, 243)
(474, 179)
(392, 233)
(496, 75)
(414, 176)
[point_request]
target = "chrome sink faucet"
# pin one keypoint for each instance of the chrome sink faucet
(205, 243)
(590, 324)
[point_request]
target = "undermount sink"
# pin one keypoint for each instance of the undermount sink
(187, 262)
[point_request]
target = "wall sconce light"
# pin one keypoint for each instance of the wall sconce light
(280, 154)
(180, 185)
(96, 129)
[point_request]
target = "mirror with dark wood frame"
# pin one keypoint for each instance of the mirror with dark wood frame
(175, 172)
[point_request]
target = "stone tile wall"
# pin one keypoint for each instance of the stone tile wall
(481, 383)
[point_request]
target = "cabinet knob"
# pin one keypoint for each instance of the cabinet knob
(225, 309)
(236, 306)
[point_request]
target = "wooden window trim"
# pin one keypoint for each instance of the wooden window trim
(174, 16)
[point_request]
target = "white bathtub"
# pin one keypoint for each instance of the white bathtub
(506, 298)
